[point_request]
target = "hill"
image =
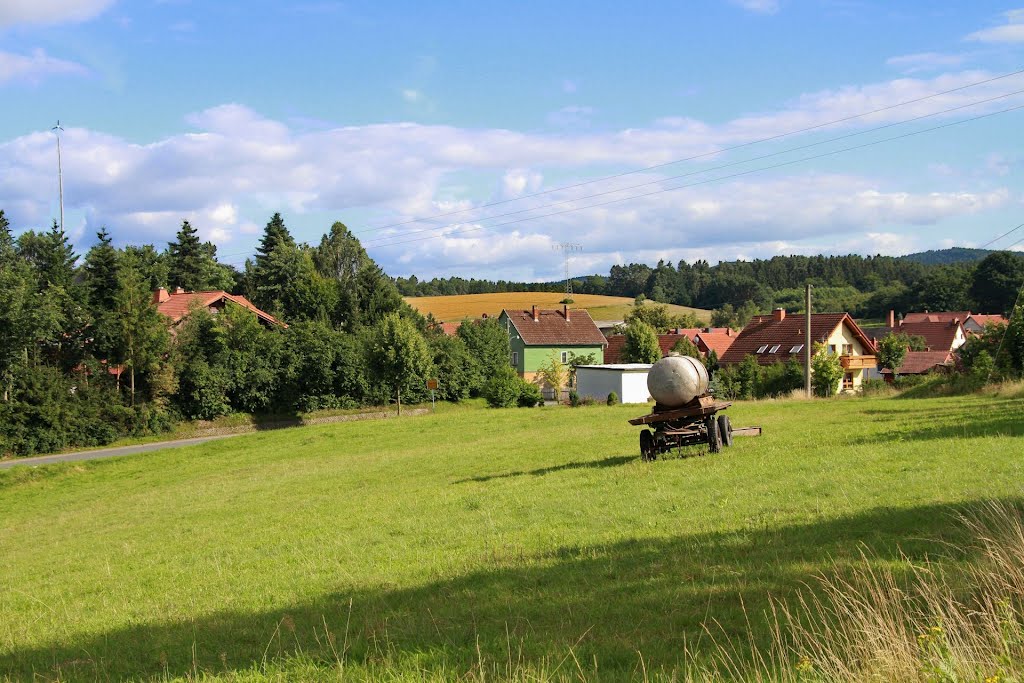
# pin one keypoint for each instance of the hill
(478, 544)
(943, 257)
(472, 306)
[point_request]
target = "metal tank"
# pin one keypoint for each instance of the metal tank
(674, 381)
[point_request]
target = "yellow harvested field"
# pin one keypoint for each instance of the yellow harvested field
(462, 306)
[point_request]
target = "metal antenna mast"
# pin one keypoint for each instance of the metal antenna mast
(60, 174)
(566, 248)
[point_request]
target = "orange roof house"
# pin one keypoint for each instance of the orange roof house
(778, 338)
(178, 304)
(921, 363)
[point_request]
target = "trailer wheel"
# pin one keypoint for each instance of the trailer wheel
(714, 436)
(647, 452)
(725, 430)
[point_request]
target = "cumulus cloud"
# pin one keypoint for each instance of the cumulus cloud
(234, 167)
(1010, 32)
(35, 67)
(50, 11)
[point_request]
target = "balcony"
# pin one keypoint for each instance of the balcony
(858, 362)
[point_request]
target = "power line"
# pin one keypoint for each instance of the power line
(383, 241)
(1004, 235)
(710, 180)
(720, 150)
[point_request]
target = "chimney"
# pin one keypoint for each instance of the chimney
(891, 322)
(536, 316)
(779, 314)
(179, 290)
(565, 311)
(160, 296)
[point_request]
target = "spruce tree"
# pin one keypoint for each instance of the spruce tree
(6, 241)
(101, 265)
(186, 260)
(57, 259)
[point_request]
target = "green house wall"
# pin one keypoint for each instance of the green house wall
(531, 358)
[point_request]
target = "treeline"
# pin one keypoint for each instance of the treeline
(865, 286)
(85, 356)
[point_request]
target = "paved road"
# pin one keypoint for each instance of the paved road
(109, 452)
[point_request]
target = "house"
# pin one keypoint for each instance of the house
(705, 339)
(178, 304)
(940, 331)
(974, 323)
(536, 334)
(778, 338)
(627, 380)
(921, 363)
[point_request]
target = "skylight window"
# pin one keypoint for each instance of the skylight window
(775, 349)
(797, 349)
(763, 349)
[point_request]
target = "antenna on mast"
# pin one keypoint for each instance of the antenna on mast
(566, 248)
(60, 174)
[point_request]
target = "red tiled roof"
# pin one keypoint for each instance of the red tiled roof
(920, 362)
(938, 336)
(786, 334)
(178, 304)
(450, 328)
(719, 342)
(613, 352)
(983, 320)
(553, 329)
(937, 317)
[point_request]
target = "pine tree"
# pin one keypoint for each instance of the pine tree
(57, 259)
(101, 266)
(276, 233)
(186, 260)
(6, 241)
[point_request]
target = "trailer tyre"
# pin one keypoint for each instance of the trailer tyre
(725, 430)
(714, 435)
(647, 446)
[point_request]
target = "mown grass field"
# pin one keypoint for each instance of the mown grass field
(472, 306)
(496, 544)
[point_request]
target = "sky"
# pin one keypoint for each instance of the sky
(472, 138)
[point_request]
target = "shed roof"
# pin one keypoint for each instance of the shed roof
(572, 327)
(920, 362)
(938, 336)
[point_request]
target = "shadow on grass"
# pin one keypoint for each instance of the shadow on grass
(995, 417)
(605, 603)
(614, 461)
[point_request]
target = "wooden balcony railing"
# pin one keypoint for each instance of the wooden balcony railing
(858, 362)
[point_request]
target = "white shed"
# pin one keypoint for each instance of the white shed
(628, 380)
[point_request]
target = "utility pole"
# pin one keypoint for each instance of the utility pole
(566, 248)
(807, 342)
(60, 174)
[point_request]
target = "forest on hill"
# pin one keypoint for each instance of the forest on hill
(865, 286)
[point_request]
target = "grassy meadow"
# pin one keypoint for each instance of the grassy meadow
(523, 544)
(459, 307)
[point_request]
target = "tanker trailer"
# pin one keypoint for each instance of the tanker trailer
(684, 413)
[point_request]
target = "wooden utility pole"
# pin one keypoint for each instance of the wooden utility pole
(807, 342)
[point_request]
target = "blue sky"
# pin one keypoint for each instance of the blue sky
(391, 113)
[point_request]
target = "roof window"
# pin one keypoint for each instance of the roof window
(797, 349)
(763, 349)
(775, 349)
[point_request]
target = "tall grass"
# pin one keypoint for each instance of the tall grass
(878, 623)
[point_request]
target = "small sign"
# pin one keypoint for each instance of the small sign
(432, 384)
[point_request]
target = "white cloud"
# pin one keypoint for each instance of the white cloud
(1010, 32)
(925, 61)
(758, 6)
(35, 67)
(235, 167)
(50, 11)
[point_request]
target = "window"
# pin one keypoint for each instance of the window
(775, 349)
(797, 349)
(763, 349)
(565, 356)
(515, 359)
(847, 349)
(832, 349)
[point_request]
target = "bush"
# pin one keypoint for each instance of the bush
(529, 395)
(574, 398)
(503, 389)
(875, 387)
(613, 399)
